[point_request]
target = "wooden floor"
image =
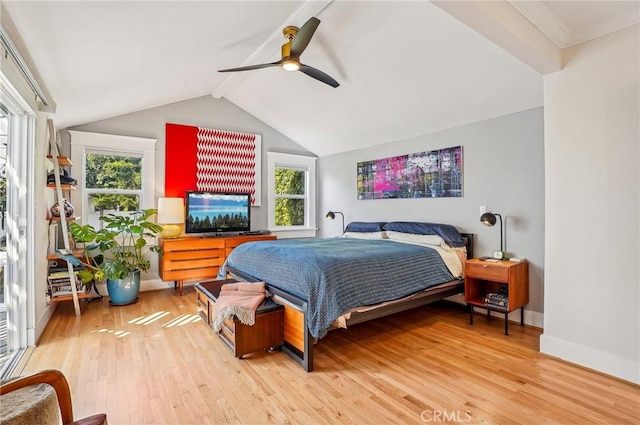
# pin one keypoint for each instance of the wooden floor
(155, 362)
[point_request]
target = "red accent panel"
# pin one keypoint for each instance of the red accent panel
(180, 159)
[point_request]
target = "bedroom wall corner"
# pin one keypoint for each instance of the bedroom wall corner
(503, 169)
(592, 128)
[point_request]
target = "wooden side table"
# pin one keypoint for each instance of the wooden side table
(485, 277)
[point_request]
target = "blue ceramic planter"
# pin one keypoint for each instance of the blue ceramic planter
(124, 291)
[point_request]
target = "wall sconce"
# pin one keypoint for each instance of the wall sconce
(331, 215)
(171, 216)
(489, 219)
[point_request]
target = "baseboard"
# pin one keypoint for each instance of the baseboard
(145, 285)
(154, 285)
(531, 318)
(601, 361)
(41, 324)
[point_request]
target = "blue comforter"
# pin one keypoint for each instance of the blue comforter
(336, 275)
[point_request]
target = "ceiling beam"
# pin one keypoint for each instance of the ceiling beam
(265, 52)
(501, 23)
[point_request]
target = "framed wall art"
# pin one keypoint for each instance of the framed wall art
(208, 159)
(431, 174)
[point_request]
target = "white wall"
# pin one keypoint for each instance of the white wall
(592, 279)
(503, 169)
(41, 204)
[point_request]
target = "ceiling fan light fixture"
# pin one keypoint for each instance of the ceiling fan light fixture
(290, 65)
(297, 40)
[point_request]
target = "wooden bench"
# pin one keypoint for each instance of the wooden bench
(266, 334)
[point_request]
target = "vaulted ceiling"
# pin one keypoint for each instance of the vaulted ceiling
(405, 68)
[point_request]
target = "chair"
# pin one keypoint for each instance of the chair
(38, 398)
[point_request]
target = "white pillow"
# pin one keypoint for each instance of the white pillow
(418, 239)
(365, 235)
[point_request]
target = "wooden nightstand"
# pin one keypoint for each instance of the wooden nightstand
(487, 277)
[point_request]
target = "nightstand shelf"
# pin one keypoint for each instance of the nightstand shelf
(486, 277)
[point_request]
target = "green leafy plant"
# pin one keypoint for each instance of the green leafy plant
(116, 250)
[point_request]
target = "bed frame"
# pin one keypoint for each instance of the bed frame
(298, 342)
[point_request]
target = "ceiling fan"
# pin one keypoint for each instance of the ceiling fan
(297, 40)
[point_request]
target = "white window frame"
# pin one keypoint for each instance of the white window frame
(83, 142)
(21, 255)
(302, 163)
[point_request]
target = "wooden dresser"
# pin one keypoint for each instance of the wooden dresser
(189, 259)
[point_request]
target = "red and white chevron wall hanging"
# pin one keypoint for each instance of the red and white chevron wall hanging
(198, 158)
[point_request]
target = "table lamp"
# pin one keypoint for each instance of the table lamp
(489, 219)
(171, 216)
(331, 215)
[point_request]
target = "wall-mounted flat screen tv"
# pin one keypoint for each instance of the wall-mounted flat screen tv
(214, 212)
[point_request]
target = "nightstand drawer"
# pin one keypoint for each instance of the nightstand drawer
(487, 271)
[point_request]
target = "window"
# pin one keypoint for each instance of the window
(113, 183)
(292, 195)
(115, 174)
(17, 255)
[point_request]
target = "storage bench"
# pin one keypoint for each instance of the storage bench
(240, 339)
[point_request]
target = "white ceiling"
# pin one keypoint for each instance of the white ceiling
(405, 68)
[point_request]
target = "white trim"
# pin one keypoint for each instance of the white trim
(294, 233)
(548, 23)
(11, 98)
(608, 26)
(531, 318)
(544, 20)
(306, 163)
(145, 285)
(21, 255)
(82, 141)
(601, 361)
(505, 26)
(22, 66)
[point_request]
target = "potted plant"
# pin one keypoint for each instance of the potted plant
(116, 252)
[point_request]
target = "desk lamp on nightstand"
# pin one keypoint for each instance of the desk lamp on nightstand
(489, 219)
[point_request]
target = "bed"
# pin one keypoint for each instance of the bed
(374, 270)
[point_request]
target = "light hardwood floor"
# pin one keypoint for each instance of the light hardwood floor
(155, 362)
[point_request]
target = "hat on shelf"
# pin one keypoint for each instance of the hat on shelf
(65, 178)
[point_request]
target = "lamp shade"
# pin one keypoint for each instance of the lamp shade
(488, 219)
(170, 211)
(331, 215)
(170, 216)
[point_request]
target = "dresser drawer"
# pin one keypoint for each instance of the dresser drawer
(487, 271)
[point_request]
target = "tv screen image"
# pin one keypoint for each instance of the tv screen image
(212, 212)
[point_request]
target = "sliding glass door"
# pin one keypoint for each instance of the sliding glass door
(4, 335)
(17, 140)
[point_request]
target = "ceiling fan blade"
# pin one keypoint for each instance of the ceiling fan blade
(250, 67)
(303, 37)
(318, 75)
